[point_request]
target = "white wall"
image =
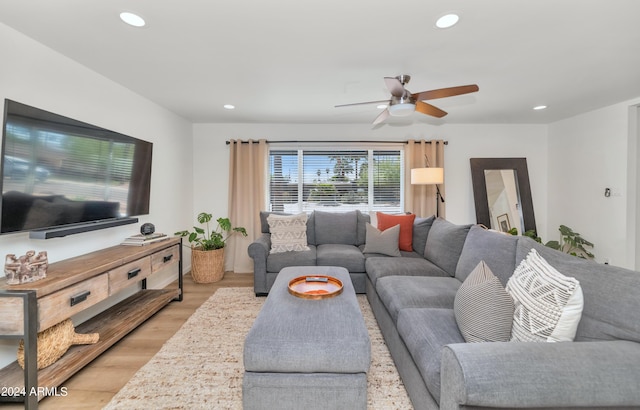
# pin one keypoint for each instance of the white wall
(33, 74)
(588, 153)
(465, 141)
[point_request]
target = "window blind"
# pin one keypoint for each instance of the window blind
(335, 180)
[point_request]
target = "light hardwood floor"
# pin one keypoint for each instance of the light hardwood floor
(95, 385)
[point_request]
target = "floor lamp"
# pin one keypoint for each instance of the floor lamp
(429, 176)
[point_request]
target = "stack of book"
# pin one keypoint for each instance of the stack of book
(140, 239)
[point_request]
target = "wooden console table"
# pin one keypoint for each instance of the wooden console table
(70, 287)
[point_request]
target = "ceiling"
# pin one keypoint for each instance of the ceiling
(291, 61)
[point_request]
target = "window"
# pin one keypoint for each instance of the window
(302, 180)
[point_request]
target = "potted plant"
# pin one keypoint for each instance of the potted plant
(207, 247)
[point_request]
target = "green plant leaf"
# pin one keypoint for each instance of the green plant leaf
(553, 244)
(225, 224)
(241, 230)
(204, 217)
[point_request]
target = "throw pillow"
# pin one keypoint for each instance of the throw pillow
(483, 309)
(384, 242)
(288, 232)
(548, 305)
(405, 242)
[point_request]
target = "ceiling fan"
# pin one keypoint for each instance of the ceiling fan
(403, 102)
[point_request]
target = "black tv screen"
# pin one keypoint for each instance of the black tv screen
(57, 171)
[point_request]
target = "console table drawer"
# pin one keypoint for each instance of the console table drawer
(58, 306)
(129, 274)
(167, 257)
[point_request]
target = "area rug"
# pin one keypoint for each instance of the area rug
(200, 367)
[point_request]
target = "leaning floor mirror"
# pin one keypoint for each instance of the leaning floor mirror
(502, 194)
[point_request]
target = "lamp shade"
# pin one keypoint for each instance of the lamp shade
(427, 176)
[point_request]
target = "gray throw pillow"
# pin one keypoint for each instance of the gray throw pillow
(384, 242)
(483, 308)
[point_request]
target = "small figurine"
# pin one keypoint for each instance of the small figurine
(26, 268)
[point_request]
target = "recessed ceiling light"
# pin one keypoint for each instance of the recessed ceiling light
(448, 20)
(539, 107)
(132, 19)
(229, 106)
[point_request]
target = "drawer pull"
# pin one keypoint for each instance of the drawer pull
(133, 273)
(167, 258)
(79, 298)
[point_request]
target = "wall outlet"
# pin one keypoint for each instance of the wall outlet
(607, 261)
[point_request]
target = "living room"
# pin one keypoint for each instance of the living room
(571, 160)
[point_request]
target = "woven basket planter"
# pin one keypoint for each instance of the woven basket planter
(55, 341)
(207, 266)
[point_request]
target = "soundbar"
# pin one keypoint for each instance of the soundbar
(61, 231)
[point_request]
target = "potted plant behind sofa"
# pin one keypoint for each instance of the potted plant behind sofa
(207, 247)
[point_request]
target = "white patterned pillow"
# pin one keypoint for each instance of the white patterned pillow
(548, 305)
(288, 232)
(483, 309)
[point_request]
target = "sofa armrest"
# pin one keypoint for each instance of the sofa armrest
(259, 251)
(525, 375)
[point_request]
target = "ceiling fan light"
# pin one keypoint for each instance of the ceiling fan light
(401, 109)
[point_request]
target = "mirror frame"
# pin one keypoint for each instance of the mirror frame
(479, 165)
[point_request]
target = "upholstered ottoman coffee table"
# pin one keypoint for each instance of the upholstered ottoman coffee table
(307, 354)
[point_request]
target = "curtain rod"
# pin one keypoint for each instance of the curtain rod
(332, 142)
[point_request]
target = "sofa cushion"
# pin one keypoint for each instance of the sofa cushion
(277, 261)
(483, 308)
(383, 242)
(421, 228)
(288, 232)
(386, 221)
(498, 250)
(380, 266)
(336, 227)
(347, 256)
(548, 305)
(401, 292)
(363, 220)
(425, 332)
(444, 244)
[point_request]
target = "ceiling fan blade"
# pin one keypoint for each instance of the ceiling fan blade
(429, 109)
(383, 116)
(395, 86)
(445, 92)
(362, 103)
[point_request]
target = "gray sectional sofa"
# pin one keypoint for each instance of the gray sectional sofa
(413, 297)
(334, 239)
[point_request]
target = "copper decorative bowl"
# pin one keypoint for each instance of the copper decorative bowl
(315, 287)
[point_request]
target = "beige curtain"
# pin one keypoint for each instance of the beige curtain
(421, 199)
(247, 182)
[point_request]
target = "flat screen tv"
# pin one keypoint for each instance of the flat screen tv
(59, 172)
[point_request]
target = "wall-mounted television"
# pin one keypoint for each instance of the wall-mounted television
(66, 176)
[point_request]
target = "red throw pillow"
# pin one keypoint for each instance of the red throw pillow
(385, 221)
